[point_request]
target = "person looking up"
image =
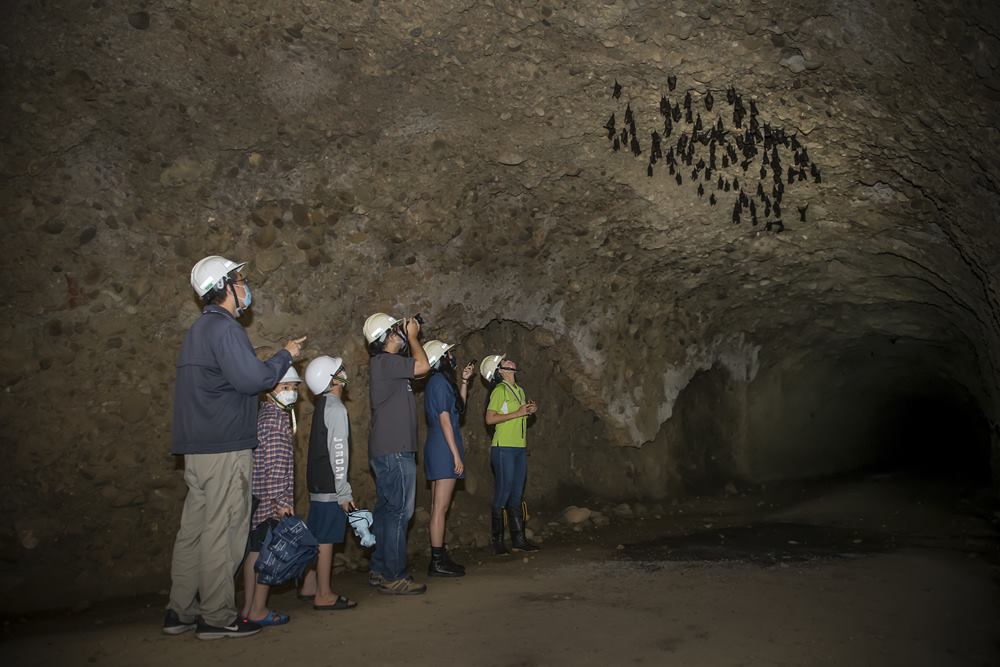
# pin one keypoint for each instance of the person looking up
(444, 454)
(508, 411)
(392, 445)
(215, 428)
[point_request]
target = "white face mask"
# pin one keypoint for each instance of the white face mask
(287, 397)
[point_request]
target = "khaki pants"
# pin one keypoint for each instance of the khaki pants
(212, 539)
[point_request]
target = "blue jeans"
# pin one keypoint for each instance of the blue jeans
(510, 468)
(395, 491)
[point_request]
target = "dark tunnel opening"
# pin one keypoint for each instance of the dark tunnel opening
(935, 432)
(877, 406)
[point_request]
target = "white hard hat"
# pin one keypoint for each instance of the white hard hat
(320, 371)
(211, 273)
(435, 349)
(489, 365)
(376, 326)
(291, 375)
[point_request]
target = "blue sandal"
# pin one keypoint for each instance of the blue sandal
(272, 618)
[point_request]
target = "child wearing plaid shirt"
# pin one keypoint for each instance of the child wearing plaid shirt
(272, 484)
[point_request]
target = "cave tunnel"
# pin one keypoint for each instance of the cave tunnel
(883, 404)
(745, 253)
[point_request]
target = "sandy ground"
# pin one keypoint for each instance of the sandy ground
(907, 577)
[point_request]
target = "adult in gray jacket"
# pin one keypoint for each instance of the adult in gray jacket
(215, 428)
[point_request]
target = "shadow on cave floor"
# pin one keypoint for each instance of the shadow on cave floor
(844, 517)
(761, 543)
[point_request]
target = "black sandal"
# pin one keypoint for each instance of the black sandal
(341, 603)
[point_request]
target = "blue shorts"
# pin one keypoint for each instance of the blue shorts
(327, 522)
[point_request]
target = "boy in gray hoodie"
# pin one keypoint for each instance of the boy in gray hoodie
(330, 494)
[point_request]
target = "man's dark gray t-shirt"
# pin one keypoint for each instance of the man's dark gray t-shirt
(394, 412)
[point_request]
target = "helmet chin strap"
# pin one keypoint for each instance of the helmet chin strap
(290, 409)
(236, 299)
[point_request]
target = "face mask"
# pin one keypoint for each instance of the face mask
(248, 298)
(287, 397)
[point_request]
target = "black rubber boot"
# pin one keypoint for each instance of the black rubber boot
(441, 565)
(518, 542)
(499, 548)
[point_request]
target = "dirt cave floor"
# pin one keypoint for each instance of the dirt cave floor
(877, 570)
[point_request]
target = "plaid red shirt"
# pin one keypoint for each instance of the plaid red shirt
(273, 479)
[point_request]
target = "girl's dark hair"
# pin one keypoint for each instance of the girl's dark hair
(493, 384)
(449, 376)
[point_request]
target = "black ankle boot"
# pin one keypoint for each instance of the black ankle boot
(451, 563)
(441, 565)
(499, 548)
(518, 542)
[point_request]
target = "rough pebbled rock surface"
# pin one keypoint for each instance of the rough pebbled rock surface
(448, 158)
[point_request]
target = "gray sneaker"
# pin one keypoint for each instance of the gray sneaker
(374, 578)
(404, 586)
(173, 625)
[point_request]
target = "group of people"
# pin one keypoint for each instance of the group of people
(239, 457)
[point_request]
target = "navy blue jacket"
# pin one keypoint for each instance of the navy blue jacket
(218, 380)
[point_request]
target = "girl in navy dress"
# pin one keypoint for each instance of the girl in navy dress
(444, 457)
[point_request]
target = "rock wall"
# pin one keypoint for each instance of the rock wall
(448, 157)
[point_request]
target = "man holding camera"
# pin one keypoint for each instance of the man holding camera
(392, 445)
